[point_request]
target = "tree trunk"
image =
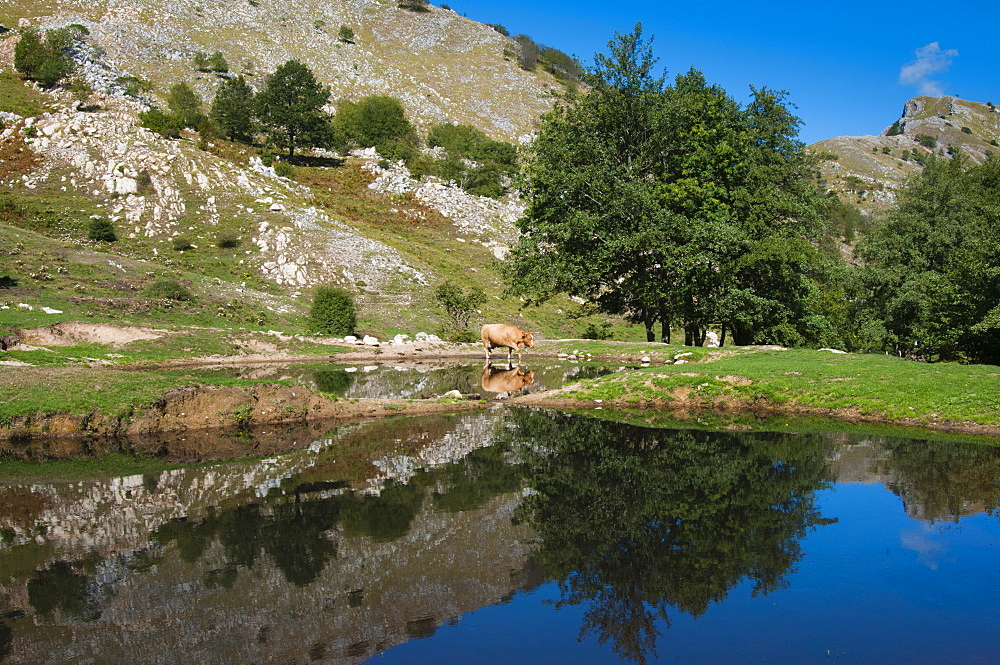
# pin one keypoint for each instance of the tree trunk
(647, 319)
(722, 337)
(664, 326)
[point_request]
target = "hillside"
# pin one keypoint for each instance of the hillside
(357, 221)
(866, 170)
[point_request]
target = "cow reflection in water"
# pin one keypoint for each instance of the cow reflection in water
(506, 380)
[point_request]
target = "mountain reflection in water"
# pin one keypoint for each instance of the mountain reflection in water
(386, 541)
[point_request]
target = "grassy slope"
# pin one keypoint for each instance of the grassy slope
(869, 385)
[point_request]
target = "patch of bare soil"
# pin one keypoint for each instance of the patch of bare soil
(70, 333)
(229, 407)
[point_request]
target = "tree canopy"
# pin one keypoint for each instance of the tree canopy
(930, 287)
(290, 108)
(232, 109)
(673, 203)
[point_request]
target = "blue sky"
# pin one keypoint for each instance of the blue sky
(848, 66)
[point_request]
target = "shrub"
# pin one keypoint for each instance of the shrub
(897, 128)
(966, 130)
(144, 183)
(926, 141)
(45, 60)
(227, 240)
(415, 5)
(333, 311)
(167, 125)
(284, 170)
(376, 121)
(346, 34)
(458, 304)
(169, 289)
(133, 85)
(181, 243)
(209, 63)
(100, 229)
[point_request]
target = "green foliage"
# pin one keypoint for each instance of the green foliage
(100, 229)
(167, 125)
(227, 240)
(416, 5)
(346, 34)
(210, 63)
(333, 311)
(376, 122)
(473, 161)
(926, 140)
(181, 243)
(232, 109)
(673, 204)
(896, 129)
(930, 280)
(45, 59)
(133, 85)
(185, 104)
(527, 54)
(290, 108)
(499, 28)
(284, 170)
(168, 289)
(459, 304)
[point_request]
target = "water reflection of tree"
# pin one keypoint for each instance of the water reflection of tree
(943, 480)
(634, 521)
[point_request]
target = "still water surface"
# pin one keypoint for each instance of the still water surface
(516, 535)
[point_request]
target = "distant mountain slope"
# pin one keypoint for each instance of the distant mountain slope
(441, 65)
(866, 170)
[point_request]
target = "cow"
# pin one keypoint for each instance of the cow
(497, 335)
(500, 380)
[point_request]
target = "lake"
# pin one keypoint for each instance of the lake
(516, 535)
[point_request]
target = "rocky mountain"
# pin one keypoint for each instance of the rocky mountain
(92, 158)
(866, 170)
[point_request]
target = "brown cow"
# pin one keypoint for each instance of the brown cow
(497, 335)
(500, 380)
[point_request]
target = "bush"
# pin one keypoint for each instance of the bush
(458, 304)
(227, 240)
(100, 229)
(284, 170)
(376, 122)
(926, 140)
(333, 311)
(346, 34)
(166, 125)
(415, 5)
(47, 60)
(966, 130)
(169, 289)
(181, 243)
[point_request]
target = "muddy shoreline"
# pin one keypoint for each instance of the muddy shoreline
(220, 409)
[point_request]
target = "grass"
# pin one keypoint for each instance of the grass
(869, 385)
(16, 97)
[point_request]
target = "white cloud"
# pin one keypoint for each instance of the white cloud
(931, 59)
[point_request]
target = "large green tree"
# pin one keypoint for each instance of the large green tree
(673, 204)
(931, 281)
(290, 107)
(232, 109)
